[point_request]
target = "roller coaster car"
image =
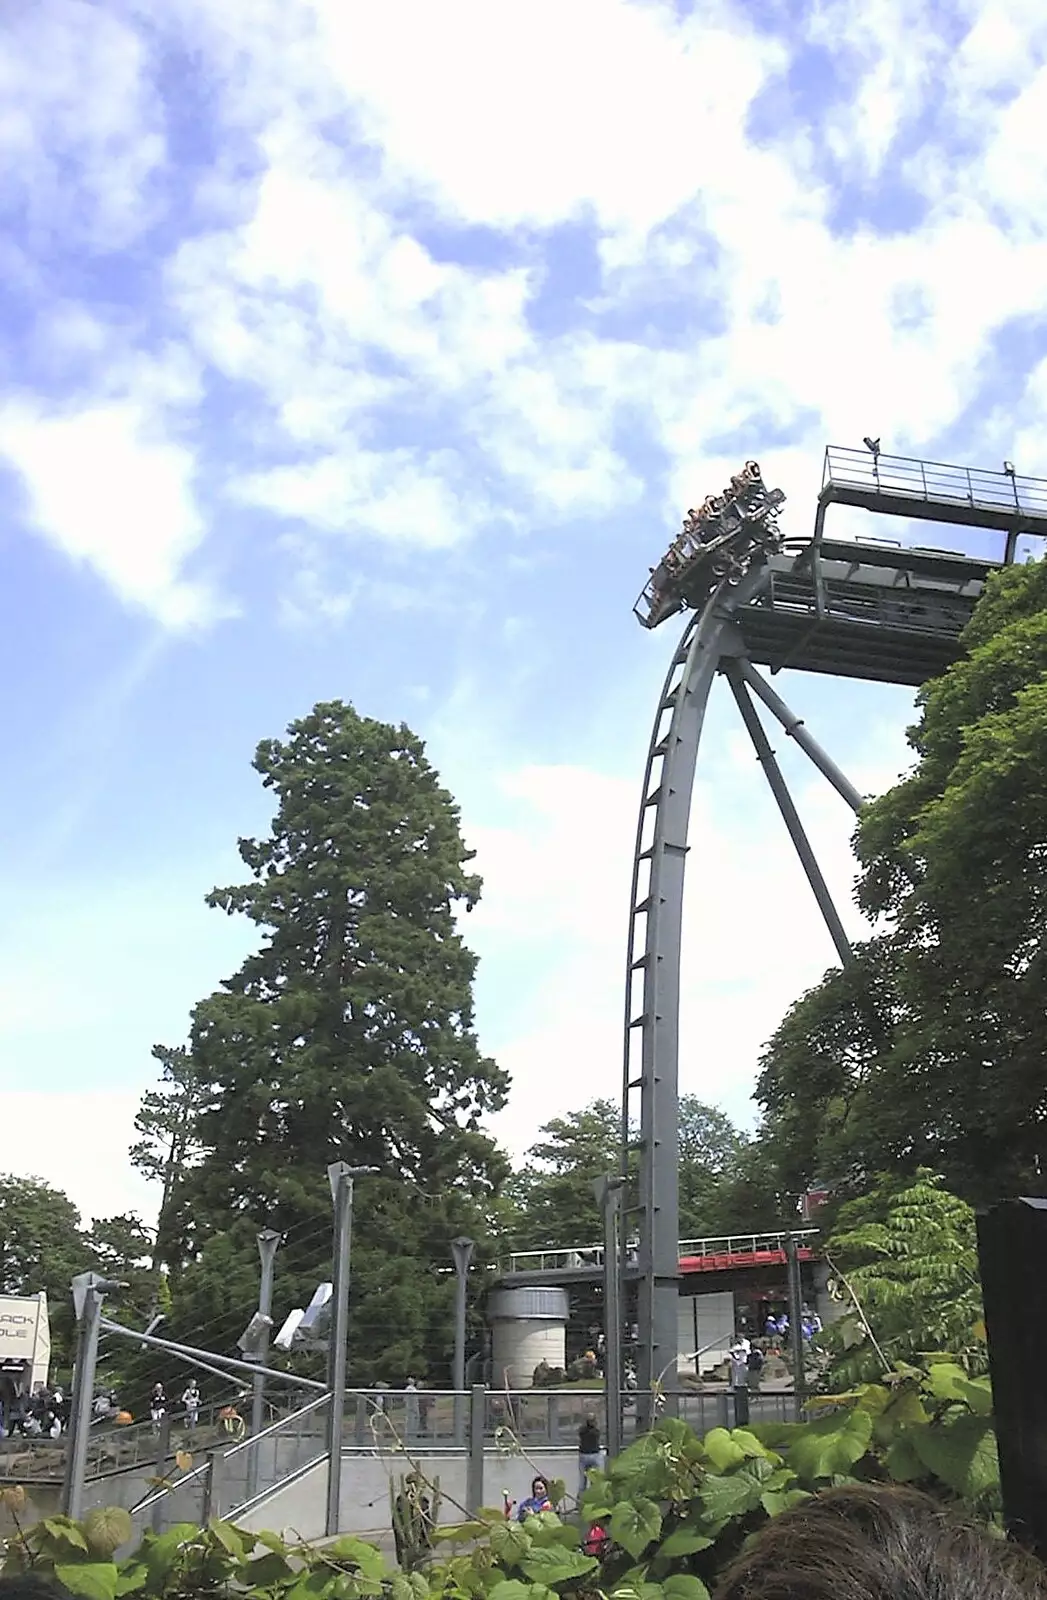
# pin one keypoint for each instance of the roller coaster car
(716, 544)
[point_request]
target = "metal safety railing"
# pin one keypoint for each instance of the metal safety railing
(230, 1477)
(114, 1447)
(580, 1257)
(499, 1424)
(934, 482)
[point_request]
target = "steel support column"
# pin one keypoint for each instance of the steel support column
(733, 671)
(794, 727)
(656, 917)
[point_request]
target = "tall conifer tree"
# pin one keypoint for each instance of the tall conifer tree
(349, 1036)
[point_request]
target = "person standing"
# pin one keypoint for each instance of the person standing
(590, 1452)
(740, 1384)
(191, 1401)
(157, 1406)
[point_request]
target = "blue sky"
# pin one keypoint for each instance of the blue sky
(375, 352)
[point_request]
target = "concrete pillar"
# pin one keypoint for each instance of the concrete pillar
(527, 1326)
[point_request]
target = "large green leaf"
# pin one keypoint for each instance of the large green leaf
(728, 1497)
(510, 1589)
(94, 1580)
(830, 1445)
(460, 1532)
(902, 1462)
(752, 1448)
(723, 1451)
(232, 1539)
(64, 1534)
(510, 1542)
(106, 1528)
(775, 1501)
(945, 1380)
(684, 1586)
(358, 1553)
(266, 1571)
(961, 1452)
(133, 1575)
(634, 1523)
(684, 1542)
(556, 1565)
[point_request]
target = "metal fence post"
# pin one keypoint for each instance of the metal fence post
(340, 1176)
(268, 1244)
(792, 1255)
(474, 1466)
(609, 1198)
(462, 1250)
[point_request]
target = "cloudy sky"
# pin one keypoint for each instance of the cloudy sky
(374, 351)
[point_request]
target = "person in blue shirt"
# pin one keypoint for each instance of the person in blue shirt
(538, 1501)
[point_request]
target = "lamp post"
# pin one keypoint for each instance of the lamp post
(340, 1176)
(88, 1290)
(462, 1250)
(268, 1244)
(609, 1197)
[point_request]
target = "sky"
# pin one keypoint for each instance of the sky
(374, 352)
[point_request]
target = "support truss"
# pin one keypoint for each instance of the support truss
(711, 643)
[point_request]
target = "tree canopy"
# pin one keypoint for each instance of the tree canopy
(552, 1198)
(929, 1050)
(43, 1246)
(348, 1035)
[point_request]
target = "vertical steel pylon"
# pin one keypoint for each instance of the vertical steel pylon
(710, 643)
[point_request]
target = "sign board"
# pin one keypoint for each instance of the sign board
(25, 1336)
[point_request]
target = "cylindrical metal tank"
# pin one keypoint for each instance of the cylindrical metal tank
(527, 1326)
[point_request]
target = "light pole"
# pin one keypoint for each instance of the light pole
(462, 1250)
(340, 1176)
(268, 1244)
(88, 1290)
(609, 1197)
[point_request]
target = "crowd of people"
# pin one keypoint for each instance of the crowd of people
(43, 1414)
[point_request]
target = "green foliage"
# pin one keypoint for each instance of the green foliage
(552, 1198)
(677, 1509)
(907, 1253)
(348, 1035)
(43, 1246)
(928, 1051)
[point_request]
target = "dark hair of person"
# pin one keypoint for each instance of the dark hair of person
(871, 1543)
(32, 1586)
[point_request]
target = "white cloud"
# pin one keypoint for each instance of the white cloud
(77, 1140)
(80, 125)
(556, 875)
(114, 497)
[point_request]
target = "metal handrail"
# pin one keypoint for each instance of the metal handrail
(227, 1455)
(752, 1244)
(935, 480)
(275, 1427)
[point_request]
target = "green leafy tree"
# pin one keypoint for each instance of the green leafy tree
(928, 1052)
(955, 857)
(818, 1125)
(347, 1036)
(711, 1152)
(906, 1261)
(553, 1195)
(42, 1247)
(166, 1120)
